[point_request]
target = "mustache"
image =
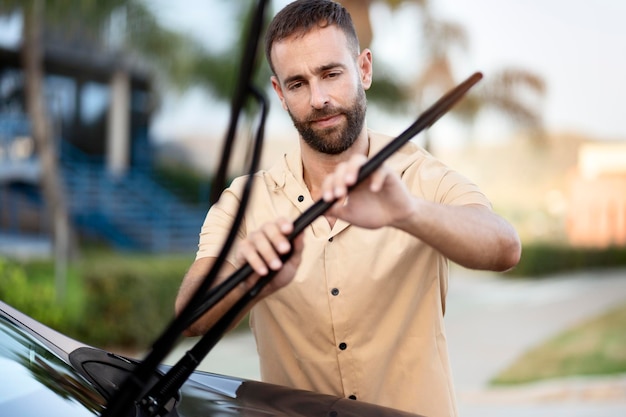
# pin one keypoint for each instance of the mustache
(317, 114)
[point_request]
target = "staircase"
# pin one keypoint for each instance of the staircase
(132, 211)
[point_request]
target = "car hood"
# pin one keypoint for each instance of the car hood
(209, 394)
(55, 375)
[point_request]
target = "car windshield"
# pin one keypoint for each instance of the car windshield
(35, 382)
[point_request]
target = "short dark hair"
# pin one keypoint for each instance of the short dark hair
(300, 16)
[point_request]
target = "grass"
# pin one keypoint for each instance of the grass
(595, 347)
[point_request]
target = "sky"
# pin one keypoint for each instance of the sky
(578, 47)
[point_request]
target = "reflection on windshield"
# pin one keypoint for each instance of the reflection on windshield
(34, 379)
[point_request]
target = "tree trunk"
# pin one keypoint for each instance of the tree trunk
(359, 11)
(52, 187)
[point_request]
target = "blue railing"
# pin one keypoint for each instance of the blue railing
(132, 211)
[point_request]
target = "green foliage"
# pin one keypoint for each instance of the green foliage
(116, 300)
(540, 260)
(129, 299)
(37, 299)
(185, 182)
(388, 94)
(180, 59)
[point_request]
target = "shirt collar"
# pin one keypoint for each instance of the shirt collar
(290, 166)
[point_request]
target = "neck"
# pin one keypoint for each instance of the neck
(316, 166)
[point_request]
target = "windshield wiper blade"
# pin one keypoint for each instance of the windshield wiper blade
(169, 385)
(425, 120)
(156, 399)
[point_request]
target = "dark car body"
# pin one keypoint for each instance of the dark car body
(45, 373)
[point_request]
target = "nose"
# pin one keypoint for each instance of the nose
(319, 96)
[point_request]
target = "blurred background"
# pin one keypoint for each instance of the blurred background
(113, 116)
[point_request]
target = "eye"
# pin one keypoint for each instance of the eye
(294, 86)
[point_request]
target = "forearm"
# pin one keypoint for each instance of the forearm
(472, 236)
(190, 283)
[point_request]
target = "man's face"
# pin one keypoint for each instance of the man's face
(322, 86)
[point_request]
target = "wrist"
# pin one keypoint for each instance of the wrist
(408, 218)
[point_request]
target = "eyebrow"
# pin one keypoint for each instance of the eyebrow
(317, 70)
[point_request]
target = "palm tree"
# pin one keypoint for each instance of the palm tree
(359, 11)
(505, 92)
(34, 14)
(437, 75)
(502, 91)
(179, 59)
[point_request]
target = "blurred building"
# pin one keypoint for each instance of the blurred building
(99, 104)
(597, 208)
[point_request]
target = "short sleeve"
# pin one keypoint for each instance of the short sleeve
(218, 222)
(432, 180)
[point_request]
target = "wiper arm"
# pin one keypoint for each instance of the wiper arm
(123, 402)
(155, 401)
(168, 386)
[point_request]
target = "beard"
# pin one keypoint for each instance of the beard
(333, 140)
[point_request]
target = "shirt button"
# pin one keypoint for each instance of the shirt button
(343, 346)
(352, 397)
(330, 239)
(335, 291)
(301, 198)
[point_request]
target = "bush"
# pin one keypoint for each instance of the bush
(37, 299)
(129, 301)
(539, 260)
(116, 301)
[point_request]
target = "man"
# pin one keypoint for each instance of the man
(357, 311)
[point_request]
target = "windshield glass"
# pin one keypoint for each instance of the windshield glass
(35, 382)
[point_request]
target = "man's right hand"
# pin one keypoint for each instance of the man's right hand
(262, 250)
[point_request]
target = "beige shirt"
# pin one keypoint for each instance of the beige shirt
(363, 317)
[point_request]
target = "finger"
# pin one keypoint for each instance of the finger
(377, 179)
(338, 209)
(355, 163)
(272, 243)
(336, 185)
(287, 273)
(338, 180)
(328, 194)
(285, 226)
(260, 252)
(247, 252)
(333, 186)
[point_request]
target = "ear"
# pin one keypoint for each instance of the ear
(364, 63)
(279, 91)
